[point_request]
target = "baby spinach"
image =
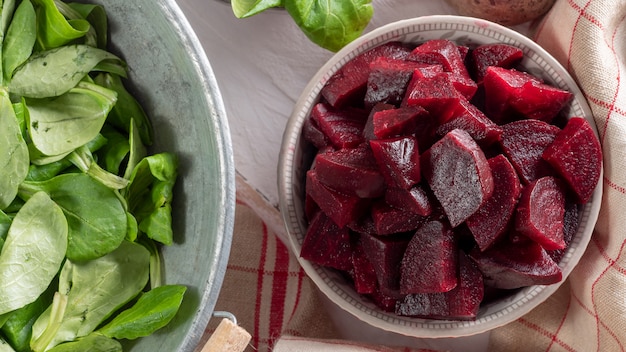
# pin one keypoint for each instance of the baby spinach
(84, 206)
(329, 24)
(37, 238)
(93, 290)
(152, 311)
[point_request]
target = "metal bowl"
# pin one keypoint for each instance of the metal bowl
(173, 80)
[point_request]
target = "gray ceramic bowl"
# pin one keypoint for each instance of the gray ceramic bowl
(295, 160)
(172, 78)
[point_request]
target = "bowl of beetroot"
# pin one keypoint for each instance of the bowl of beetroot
(440, 176)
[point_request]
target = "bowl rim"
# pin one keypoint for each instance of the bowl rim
(522, 302)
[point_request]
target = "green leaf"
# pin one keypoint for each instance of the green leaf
(37, 239)
(89, 343)
(331, 24)
(56, 71)
(95, 289)
(8, 7)
(59, 125)
(97, 17)
(96, 217)
(247, 8)
(20, 39)
(17, 328)
(53, 29)
(14, 156)
(153, 310)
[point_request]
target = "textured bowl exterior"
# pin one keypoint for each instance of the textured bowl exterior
(173, 80)
(295, 160)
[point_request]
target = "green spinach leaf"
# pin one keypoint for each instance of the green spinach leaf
(153, 310)
(53, 29)
(247, 8)
(19, 39)
(14, 157)
(37, 238)
(89, 343)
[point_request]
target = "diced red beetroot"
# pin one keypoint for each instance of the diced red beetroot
(312, 134)
(388, 80)
(509, 266)
(469, 118)
(398, 160)
(430, 261)
(349, 83)
(402, 121)
(344, 128)
(368, 130)
(385, 253)
(352, 171)
(540, 213)
(461, 303)
(326, 244)
(501, 86)
(385, 302)
(310, 207)
(496, 54)
(540, 101)
(415, 200)
(524, 142)
(570, 227)
(389, 220)
(576, 155)
(363, 273)
(492, 219)
(463, 51)
(448, 55)
(459, 175)
(341, 208)
(436, 94)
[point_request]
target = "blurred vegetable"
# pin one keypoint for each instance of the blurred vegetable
(329, 24)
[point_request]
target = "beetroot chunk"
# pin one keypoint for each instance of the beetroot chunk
(429, 264)
(348, 85)
(363, 273)
(341, 208)
(540, 213)
(352, 171)
(343, 128)
(576, 154)
(436, 94)
(415, 200)
(524, 142)
(458, 173)
(470, 119)
(388, 123)
(496, 54)
(398, 160)
(513, 265)
(460, 303)
(385, 253)
(389, 220)
(492, 219)
(540, 101)
(501, 86)
(326, 244)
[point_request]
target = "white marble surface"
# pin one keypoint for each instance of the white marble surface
(261, 64)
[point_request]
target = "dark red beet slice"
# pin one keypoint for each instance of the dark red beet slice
(461, 303)
(540, 101)
(496, 54)
(326, 244)
(385, 253)
(415, 200)
(402, 121)
(385, 302)
(368, 130)
(430, 261)
(458, 173)
(540, 213)
(501, 85)
(524, 142)
(436, 94)
(389, 220)
(341, 208)
(388, 80)
(398, 160)
(492, 219)
(348, 85)
(352, 171)
(576, 154)
(363, 273)
(570, 227)
(508, 266)
(313, 135)
(344, 128)
(470, 119)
